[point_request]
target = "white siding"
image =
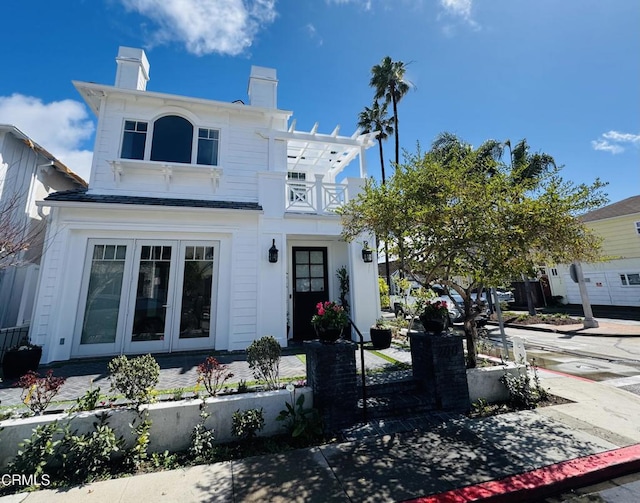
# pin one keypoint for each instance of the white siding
(242, 154)
(604, 285)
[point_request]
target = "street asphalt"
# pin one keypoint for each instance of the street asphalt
(518, 456)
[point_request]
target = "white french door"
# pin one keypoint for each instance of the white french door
(145, 296)
(151, 297)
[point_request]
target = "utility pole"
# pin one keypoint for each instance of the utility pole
(575, 271)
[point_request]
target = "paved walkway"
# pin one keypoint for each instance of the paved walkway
(521, 455)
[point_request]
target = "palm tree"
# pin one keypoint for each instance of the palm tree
(526, 167)
(387, 79)
(375, 119)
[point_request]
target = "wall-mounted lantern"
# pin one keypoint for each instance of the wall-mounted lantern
(273, 253)
(367, 254)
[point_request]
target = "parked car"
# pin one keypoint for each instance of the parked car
(402, 304)
(505, 296)
(482, 306)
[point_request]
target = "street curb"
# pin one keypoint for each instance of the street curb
(550, 330)
(546, 481)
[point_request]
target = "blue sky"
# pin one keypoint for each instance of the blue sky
(564, 74)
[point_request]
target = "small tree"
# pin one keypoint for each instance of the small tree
(17, 234)
(459, 217)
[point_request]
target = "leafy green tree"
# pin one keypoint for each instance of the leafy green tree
(459, 217)
(389, 82)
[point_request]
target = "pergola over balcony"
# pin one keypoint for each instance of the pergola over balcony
(326, 153)
(314, 160)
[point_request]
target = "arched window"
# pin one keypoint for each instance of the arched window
(172, 139)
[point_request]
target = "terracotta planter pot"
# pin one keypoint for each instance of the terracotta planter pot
(17, 363)
(380, 337)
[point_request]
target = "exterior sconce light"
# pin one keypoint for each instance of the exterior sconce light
(273, 253)
(367, 254)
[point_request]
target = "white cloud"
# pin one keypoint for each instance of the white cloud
(457, 9)
(460, 8)
(366, 4)
(615, 142)
(60, 127)
(622, 137)
(313, 34)
(606, 146)
(206, 26)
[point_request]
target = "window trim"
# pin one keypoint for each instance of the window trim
(625, 281)
(194, 139)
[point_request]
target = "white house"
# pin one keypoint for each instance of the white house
(28, 173)
(612, 282)
(169, 248)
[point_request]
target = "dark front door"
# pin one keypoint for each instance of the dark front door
(310, 286)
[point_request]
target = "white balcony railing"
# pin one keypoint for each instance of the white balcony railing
(314, 197)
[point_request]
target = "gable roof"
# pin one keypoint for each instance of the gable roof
(59, 166)
(81, 196)
(627, 206)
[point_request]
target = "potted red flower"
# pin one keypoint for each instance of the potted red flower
(329, 321)
(435, 317)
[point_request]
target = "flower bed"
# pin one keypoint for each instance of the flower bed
(172, 422)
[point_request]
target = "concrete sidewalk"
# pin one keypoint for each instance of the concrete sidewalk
(507, 451)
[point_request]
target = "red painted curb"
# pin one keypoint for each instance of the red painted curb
(543, 482)
(564, 374)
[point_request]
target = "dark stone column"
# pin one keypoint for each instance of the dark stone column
(331, 374)
(439, 368)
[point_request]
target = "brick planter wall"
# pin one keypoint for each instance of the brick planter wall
(439, 368)
(331, 374)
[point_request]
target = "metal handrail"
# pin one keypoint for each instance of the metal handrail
(364, 383)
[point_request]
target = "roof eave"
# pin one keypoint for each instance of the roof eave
(93, 93)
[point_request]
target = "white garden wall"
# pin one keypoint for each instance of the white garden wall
(172, 422)
(484, 382)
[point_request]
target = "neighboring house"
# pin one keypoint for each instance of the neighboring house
(28, 173)
(615, 282)
(171, 247)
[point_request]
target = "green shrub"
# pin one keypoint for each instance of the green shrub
(523, 393)
(88, 457)
(245, 424)
(38, 453)
(263, 357)
(201, 448)
(302, 424)
(66, 457)
(383, 288)
(88, 401)
(135, 378)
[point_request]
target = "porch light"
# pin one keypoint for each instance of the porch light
(367, 254)
(273, 253)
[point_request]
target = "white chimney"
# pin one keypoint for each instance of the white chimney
(133, 69)
(263, 87)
